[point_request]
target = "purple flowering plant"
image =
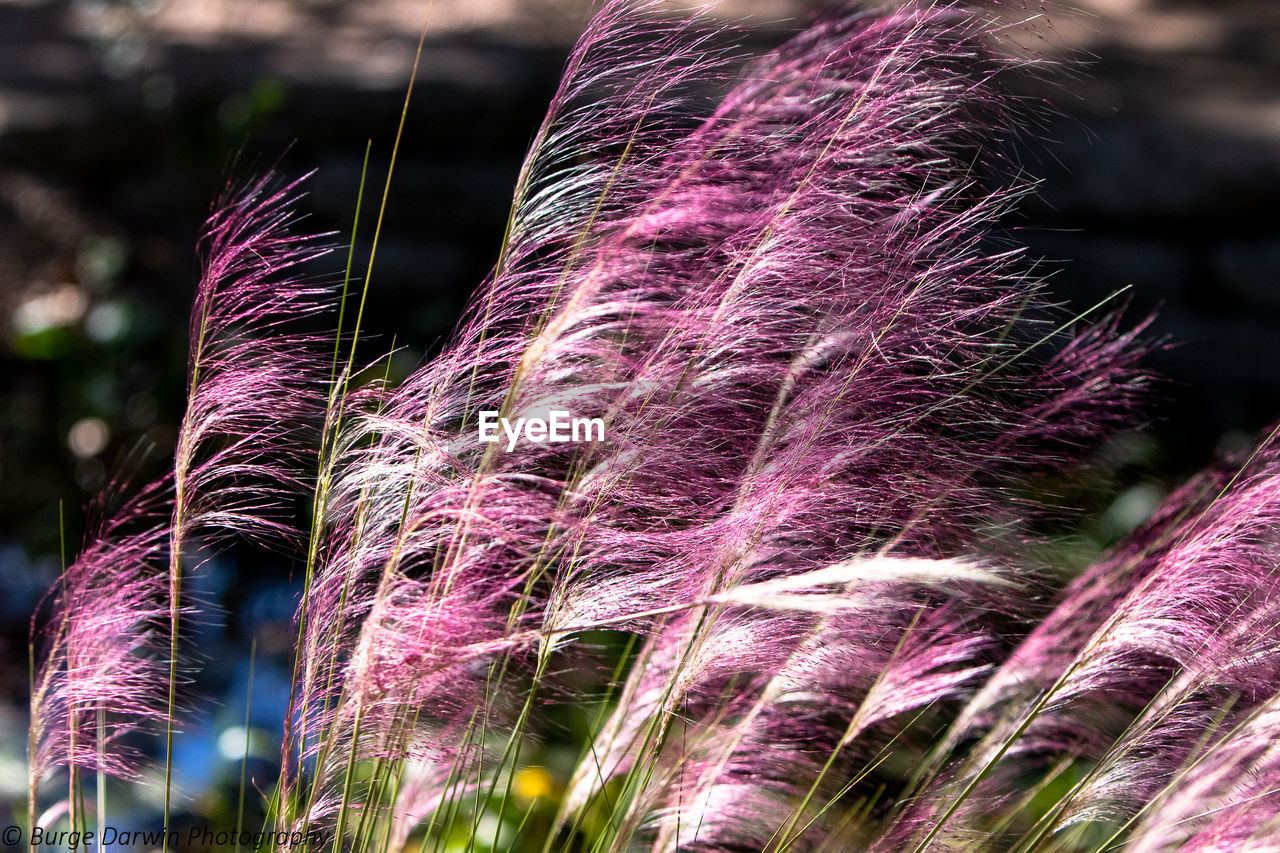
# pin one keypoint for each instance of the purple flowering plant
(791, 596)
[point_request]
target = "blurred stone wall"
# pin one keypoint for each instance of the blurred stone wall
(1165, 176)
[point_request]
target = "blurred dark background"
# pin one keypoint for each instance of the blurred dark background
(120, 121)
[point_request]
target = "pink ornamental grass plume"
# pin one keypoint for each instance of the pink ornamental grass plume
(815, 474)
(248, 393)
(102, 654)
(803, 356)
(1226, 798)
(417, 484)
(110, 661)
(1161, 655)
(1197, 643)
(255, 383)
